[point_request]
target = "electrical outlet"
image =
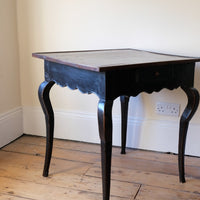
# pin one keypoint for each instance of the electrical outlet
(171, 109)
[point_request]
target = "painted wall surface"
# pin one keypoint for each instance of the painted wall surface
(9, 60)
(55, 25)
(10, 98)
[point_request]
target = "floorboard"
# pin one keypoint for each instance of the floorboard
(75, 173)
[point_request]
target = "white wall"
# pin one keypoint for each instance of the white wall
(10, 100)
(54, 25)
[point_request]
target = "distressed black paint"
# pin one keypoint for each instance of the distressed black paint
(111, 82)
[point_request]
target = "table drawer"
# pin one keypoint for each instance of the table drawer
(156, 74)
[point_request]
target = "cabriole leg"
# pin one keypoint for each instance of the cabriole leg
(124, 116)
(43, 94)
(105, 132)
(193, 102)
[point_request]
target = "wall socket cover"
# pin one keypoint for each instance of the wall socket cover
(170, 109)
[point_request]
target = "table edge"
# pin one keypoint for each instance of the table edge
(116, 67)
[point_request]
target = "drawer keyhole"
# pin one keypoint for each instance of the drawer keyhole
(157, 74)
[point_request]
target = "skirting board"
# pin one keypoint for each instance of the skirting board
(10, 126)
(156, 135)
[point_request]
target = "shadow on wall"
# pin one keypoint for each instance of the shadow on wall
(197, 75)
(136, 116)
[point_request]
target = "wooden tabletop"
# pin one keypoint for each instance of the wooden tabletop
(104, 60)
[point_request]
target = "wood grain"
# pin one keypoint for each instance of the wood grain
(154, 193)
(12, 197)
(150, 178)
(104, 60)
(134, 159)
(22, 163)
(95, 148)
(73, 176)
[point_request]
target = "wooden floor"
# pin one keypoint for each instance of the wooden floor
(75, 173)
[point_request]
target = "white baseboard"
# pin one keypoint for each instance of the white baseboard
(10, 126)
(157, 135)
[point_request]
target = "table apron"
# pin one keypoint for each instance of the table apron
(130, 82)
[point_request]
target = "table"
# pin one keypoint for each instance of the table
(110, 74)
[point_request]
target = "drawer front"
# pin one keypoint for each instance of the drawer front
(154, 75)
(149, 79)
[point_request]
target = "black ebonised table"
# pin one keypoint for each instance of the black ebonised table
(110, 74)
